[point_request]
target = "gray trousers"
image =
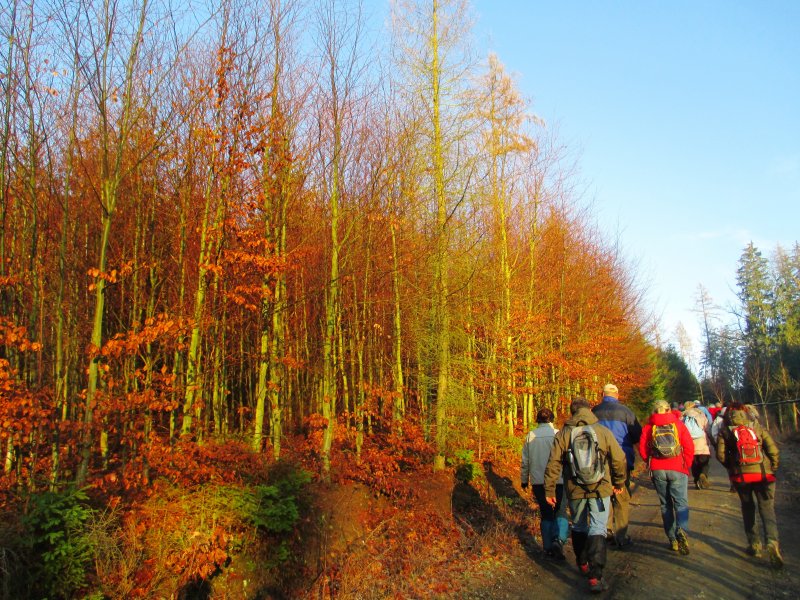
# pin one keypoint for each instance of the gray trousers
(759, 495)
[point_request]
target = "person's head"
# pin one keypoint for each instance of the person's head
(611, 390)
(545, 415)
(661, 407)
(577, 404)
(733, 407)
(688, 405)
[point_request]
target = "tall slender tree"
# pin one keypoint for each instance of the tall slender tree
(755, 296)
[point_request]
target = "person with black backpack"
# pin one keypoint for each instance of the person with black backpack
(667, 448)
(594, 468)
(751, 457)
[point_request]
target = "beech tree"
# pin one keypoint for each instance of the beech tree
(109, 67)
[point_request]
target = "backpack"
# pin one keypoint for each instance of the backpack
(693, 426)
(586, 460)
(748, 446)
(665, 443)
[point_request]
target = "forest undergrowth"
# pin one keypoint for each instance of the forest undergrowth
(216, 520)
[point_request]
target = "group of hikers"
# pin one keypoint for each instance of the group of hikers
(586, 466)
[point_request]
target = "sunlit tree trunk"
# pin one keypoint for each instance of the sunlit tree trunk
(441, 257)
(214, 194)
(272, 384)
(113, 142)
(434, 56)
(340, 38)
(10, 87)
(398, 410)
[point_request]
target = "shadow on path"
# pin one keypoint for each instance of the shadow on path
(521, 513)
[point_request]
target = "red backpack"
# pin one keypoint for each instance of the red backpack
(748, 446)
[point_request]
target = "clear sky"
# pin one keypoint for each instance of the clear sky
(685, 116)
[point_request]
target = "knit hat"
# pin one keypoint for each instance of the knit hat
(688, 405)
(610, 389)
(660, 405)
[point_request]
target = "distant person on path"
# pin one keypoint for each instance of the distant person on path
(714, 409)
(699, 406)
(621, 421)
(594, 468)
(751, 457)
(668, 449)
(535, 454)
(700, 429)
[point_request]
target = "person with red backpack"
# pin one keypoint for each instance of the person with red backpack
(751, 457)
(667, 448)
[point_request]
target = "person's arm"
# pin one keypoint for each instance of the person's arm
(687, 444)
(770, 449)
(634, 429)
(525, 473)
(618, 462)
(644, 443)
(554, 466)
(721, 447)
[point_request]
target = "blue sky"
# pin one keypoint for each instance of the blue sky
(685, 117)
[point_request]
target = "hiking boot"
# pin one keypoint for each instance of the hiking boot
(754, 550)
(597, 585)
(557, 551)
(775, 555)
(673, 545)
(583, 568)
(624, 543)
(702, 482)
(683, 542)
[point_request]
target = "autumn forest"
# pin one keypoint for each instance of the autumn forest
(253, 233)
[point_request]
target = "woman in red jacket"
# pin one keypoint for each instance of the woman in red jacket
(667, 447)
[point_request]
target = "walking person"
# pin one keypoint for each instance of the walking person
(535, 454)
(700, 429)
(621, 421)
(593, 468)
(667, 447)
(699, 406)
(751, 457)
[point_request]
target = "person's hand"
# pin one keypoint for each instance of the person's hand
(551, 500)
(524, 485)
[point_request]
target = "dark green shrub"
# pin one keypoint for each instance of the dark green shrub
(466, 470)
(275, 508)
(55, 536)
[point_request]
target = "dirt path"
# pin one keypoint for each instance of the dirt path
(717, 566)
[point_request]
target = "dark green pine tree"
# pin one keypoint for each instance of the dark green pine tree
(680, 384)
(787, 322)
(755, 292)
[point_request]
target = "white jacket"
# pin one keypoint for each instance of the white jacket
(536, 453)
